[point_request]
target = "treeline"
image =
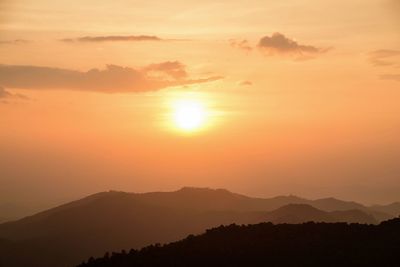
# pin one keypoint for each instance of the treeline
(266, 244)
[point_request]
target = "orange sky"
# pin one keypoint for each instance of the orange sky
(302, 97)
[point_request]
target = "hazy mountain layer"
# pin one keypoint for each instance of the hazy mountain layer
(112, 221)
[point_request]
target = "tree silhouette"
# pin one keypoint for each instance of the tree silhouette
(266, 244)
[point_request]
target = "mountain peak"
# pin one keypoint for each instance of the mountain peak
(188, 189)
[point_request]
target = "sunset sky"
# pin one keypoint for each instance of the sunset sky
(259, 97)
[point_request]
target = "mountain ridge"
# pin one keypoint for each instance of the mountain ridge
(327, 204)
(114, 220)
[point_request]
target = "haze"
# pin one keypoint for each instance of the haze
(279, 97)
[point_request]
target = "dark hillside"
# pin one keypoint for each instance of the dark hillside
(265, 244)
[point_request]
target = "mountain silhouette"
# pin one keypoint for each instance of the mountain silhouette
(266, 244)
(300, 213)
(13, 211)
(112, 221)
(392, 209)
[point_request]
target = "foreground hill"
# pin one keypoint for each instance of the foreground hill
(265, 244)
(111, 221)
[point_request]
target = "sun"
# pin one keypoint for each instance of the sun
(188, 114)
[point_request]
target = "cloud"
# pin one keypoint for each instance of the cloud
(4, 94)
(280, 44)
(246, 83)
(113, 38)
(241, 44)
(393, 77)
(385, 57)
(112, 79)
(16, 41)
(174, 69)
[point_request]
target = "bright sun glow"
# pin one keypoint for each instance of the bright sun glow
(188, 114)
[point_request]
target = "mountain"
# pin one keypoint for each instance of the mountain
(111, 221)
(265, 244)
(67, 234)
(215, 200)
(332, 204)
(392, 209)
(301, 213)
(13, 211)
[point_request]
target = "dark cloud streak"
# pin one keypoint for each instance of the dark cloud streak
(246, 83)
(16, 42)
(113, 38)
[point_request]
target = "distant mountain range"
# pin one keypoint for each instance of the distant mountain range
(301, 213)
(265, 244)
(111, 221)
(392, 209)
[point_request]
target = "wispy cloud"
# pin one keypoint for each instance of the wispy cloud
(4, 94)
(112, 79)
(241, 44)
(246, 83)
(113, 38)
(385, 57)
(16, 41)
(393, 77)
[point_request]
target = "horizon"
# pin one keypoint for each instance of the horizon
(32, 211)
(232, 192)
